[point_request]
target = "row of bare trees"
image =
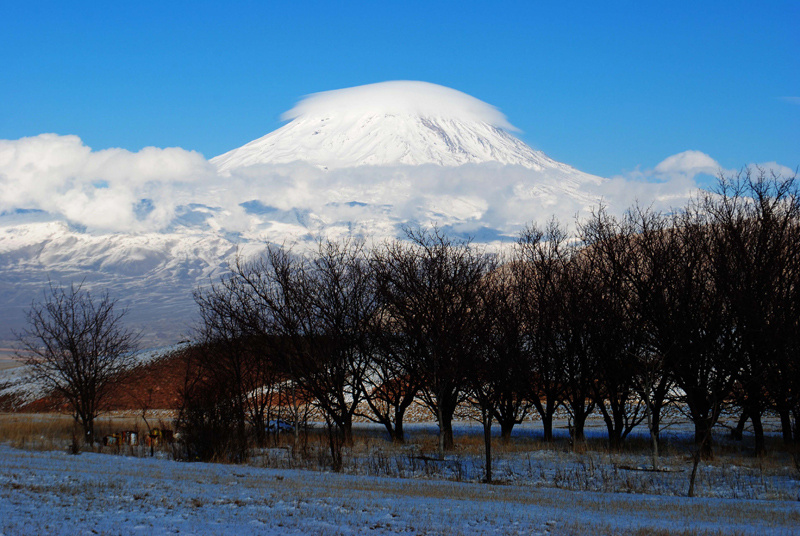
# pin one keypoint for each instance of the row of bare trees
(701, 305)
(710, 297)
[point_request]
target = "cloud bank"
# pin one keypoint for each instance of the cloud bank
(115, 190)
(111, 189)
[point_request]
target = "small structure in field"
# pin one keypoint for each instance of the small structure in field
(126, 437)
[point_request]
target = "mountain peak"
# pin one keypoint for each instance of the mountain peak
(389, 123)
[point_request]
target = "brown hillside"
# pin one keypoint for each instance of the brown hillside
(155, 385)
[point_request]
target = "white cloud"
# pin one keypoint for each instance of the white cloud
(104, 189)
(500, 197)
(667, 186)
(400, 96)
(675, 179)
(774, 168)
(688, 163)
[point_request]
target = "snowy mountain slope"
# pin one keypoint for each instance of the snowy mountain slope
(153, 275)
(384, 139)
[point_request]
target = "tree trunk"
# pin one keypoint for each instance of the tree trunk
(546, 412)
(653, 426)
(87, 423)
(389, 428)
(579, 416)
(547, 426)
(445, 417)
(399, 433)
(296, 417)
(615, 439)
(445, 435)
(786, 425)
(738, 432)
(695, 463)
(659, 395)
(347, 431)
(614, 424)
(261, 430)
(487, 441)
(335, 440)
(703, 438)
(505, 430)
(758, 431)
(506, 416)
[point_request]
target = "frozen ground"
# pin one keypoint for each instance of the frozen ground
(56, 493)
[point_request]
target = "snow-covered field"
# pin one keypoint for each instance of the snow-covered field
(387, 489)
(542, 491)
(56, 493)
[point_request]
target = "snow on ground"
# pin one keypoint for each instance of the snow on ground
(56, 493)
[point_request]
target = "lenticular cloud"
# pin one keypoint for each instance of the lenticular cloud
(400, 97)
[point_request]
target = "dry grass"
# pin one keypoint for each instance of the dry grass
(525, 460)
(36, 431)
(54, 431)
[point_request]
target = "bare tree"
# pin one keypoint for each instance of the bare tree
(755, 263)
(299, 318)
(630, 256)
(573, 332)
(211, 418)
(695, 332)
(338, 302)
(498, 378)
(237, 345)
(614, 334)
(77, 347)
(390, 387)
(429, 287)
(505, 347)
(542, 256)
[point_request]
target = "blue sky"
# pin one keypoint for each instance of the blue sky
(605, 88)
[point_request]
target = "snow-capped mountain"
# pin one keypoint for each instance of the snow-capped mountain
(387, 124)
(391, 123)
(154, 225)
